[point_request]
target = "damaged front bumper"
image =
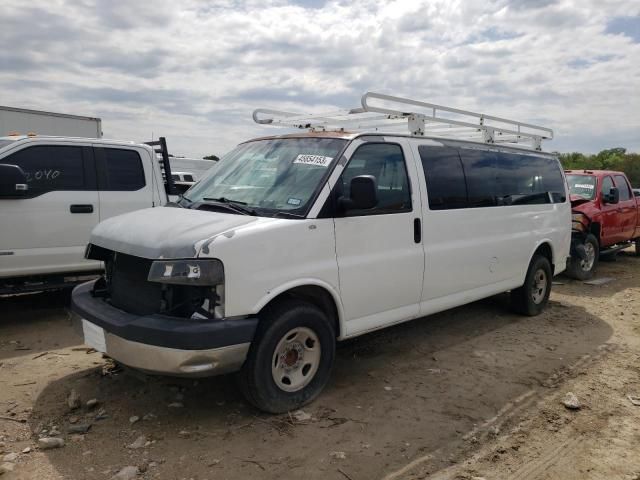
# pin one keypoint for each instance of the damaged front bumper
(162, 344)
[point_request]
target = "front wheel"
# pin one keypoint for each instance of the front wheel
(583, 269)
(290, 358)
(531, 298)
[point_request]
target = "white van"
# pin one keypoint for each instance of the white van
(294, 242)
(54, 190)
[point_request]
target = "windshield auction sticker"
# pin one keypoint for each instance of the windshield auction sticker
(317, 160)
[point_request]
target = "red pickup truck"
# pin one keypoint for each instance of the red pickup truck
(606, 218)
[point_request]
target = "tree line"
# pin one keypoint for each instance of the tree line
(610, 159)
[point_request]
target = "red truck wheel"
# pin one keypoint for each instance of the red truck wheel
(583, 269)
(637, 247)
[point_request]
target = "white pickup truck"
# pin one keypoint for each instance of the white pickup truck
(54, 190)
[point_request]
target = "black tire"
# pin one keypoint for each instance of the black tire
(532, 297)
(256, 378)
(637, 242)
(583, 270)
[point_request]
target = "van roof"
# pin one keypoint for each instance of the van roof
(345, 135)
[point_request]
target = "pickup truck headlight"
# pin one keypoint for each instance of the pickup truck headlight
(200, 272)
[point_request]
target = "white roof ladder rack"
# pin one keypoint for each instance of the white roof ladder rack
(386, 113)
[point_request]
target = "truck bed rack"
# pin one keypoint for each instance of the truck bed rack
(160, 148)
(386, 113)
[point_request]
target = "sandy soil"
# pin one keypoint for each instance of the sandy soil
(472, 392)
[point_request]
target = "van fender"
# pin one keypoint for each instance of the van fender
(304, 282)
(549, 242)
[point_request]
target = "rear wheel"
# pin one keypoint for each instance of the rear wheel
(290, 358)
(583, 269)
(532, 297)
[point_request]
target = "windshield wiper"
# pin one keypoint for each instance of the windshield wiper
(235, 205)
(287, 214)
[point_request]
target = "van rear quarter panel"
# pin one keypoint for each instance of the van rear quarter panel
(471, 253)
(471, 248)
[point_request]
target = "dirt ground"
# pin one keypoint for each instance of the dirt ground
(472, 392)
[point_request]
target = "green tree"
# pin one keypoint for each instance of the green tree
(215, 158)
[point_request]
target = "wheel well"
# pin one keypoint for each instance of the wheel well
(315, 295)
(544, 249)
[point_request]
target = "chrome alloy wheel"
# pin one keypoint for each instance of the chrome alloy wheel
(587, 264)
(296, 359)
(539, 287)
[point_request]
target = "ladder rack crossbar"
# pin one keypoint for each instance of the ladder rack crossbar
(381, 112)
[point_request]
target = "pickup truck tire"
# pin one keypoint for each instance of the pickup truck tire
(637, 242)
(531, 298)
(290, 357)
(584, 269)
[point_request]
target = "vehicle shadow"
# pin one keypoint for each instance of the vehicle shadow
(394, 395)
(40, 311)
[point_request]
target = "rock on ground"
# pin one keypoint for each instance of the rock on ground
(139, 442)
(6, 467)
(126, 473)
(571, 401)
(47, 443)
(10, 457)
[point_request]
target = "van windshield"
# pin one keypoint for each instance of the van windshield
(270, 176)
(582, 185)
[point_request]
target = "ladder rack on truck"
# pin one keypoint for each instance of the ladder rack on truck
(160, 147)
(386, 113)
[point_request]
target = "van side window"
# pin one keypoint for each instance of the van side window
(50, 168)
(385, 161)
(480, 172)
(607, 185)
(529, 179)
(446, 185)
(503, 178)
(123, 170)
(188, 178)
(623, 188)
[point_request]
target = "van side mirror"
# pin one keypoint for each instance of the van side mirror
(364, 194)
(613, 196)
(13, 181)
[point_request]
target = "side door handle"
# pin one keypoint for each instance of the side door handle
(81, 208)
(417, 230)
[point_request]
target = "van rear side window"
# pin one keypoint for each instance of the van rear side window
(445, 178)
(471, 178)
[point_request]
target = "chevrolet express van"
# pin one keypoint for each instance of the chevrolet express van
(294, 242)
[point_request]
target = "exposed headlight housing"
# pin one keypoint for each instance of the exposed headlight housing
(199, 272)
(579, 222)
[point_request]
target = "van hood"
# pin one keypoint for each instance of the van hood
(164, 232)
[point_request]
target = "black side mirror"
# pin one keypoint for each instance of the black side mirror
(364, 194)
(13, 181)
(613, 196)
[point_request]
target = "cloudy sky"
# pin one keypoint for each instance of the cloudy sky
(194, 71)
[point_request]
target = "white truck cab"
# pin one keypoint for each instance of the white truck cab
(65, 187)
(294, 242)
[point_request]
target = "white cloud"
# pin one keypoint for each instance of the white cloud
(194, 71)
